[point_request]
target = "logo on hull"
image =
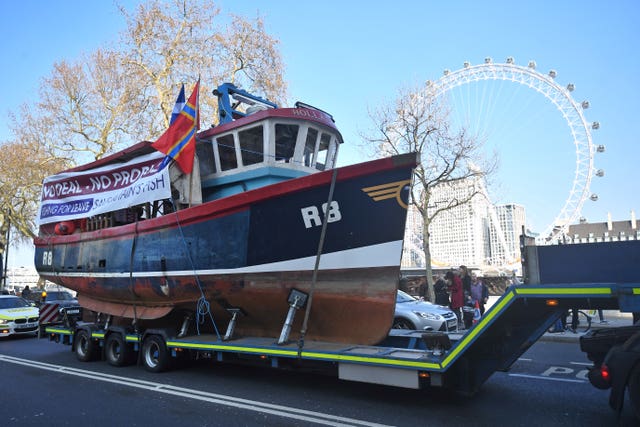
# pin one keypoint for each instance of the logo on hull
(398, 190)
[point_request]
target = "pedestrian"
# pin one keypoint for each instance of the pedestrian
(440, 289)
(466, 278)
(457, 296)
(468, 311)
(601, 316)
(26, 292)
(404, 285)
(423, 289)
(574, 320)
(479, 292)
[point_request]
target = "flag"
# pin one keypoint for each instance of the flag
(179, 141)
(179, 106)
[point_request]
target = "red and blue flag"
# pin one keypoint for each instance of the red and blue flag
(179, 141)
(180, 101)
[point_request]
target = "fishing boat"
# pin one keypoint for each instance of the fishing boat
(263, 221)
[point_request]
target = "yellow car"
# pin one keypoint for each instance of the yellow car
(17, 316)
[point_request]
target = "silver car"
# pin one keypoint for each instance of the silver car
(412, 313)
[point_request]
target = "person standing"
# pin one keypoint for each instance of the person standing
(403, 285)
(423, 289)
(479, 292)
(457, 294)
(440, 289)
(466, 279)
(601, 316)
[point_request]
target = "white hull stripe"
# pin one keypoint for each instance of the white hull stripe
(381, 255)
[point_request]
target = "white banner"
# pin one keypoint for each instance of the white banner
(74, 195)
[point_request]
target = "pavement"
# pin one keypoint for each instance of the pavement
(613, 318)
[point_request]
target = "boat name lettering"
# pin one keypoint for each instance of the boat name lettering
(64, 188)
(311, 214)
(303, 112)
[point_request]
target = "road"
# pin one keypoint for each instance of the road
(43, 384)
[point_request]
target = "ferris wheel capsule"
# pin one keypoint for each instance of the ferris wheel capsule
(510, 60)
(594, 197)
(571, 87)
(553, 74)
(600, 148)
(600, 172)
(532, 65)
(595, 125)
(585, 105)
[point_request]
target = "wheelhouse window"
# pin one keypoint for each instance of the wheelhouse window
(286, 136)
(205, 158)
(251, 145)
(310, 147)
(227, 152)
(323, 151)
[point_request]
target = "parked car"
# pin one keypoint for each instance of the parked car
(62, 298)
(17, 316)
(412, 313)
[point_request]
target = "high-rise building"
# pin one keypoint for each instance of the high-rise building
(476, 234)
(505, 240)
(459, 235)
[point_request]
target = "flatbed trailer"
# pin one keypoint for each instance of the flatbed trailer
(409, 359)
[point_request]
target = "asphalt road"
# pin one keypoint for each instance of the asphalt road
(43, 384)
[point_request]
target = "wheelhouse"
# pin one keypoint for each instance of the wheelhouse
(265, 147)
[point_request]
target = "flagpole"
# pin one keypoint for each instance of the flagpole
(191, 186)
(197, 119)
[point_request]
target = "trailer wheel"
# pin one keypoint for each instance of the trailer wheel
(155, 355)
(117, 351)
(86, 350)
(634, 389)
(399, 323)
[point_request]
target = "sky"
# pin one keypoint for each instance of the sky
(351, 57)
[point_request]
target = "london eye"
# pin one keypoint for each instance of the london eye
(454, 88)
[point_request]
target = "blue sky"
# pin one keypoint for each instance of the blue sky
(348, 57)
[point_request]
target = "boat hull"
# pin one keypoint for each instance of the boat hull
(249, 250)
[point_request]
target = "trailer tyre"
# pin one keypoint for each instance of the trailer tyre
(155, 356)
(634, 390)
(117, 351)
(86, 349)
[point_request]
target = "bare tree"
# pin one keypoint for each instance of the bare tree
(419, 122)
(116, 96)
(27, 163)
(170, 44)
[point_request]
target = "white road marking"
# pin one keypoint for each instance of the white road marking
(220, 399)
(581, 363)
(537, 377)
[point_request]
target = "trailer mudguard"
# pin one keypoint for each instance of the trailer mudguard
(621, 360)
